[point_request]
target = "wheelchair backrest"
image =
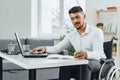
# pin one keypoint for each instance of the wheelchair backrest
(108, 48)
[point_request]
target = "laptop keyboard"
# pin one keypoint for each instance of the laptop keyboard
(28, 54)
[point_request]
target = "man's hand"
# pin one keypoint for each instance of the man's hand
(41, 49)
(80, 54)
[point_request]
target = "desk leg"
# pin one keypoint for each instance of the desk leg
(1, 72)
(32, 74)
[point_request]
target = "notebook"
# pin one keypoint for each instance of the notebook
(28, 53)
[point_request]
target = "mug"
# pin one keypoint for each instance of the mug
(26, 48)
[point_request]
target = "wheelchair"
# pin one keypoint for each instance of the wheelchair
(108, 68)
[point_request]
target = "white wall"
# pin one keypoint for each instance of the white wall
(93, 5)
(15, 16)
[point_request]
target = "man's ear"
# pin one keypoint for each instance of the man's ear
(84, 15)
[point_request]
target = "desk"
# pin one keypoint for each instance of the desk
(37, 63)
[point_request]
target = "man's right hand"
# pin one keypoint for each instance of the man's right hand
(41, 49)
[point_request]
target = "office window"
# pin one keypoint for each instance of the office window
(49, 16)
(53, 18)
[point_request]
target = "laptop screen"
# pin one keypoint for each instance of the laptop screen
(19, 43)
(28, 56)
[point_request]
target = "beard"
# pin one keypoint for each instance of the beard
(78, 25)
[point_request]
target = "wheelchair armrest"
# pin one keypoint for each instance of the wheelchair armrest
(104, 60)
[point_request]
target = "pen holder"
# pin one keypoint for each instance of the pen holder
(12, 48)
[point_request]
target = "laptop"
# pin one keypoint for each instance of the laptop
(28, 54)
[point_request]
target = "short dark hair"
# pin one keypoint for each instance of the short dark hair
(75, 9)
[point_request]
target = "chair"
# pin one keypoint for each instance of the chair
(106, 64)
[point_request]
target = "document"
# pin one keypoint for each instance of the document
(57, 56)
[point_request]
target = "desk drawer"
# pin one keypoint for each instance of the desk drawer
(15, 75)
(46, 74)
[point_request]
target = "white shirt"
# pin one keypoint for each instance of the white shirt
(90, 41)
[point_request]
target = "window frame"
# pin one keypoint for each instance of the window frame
(36, 20)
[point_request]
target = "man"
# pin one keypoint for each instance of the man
(88, 43)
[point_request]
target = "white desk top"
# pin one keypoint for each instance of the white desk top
(34, 63)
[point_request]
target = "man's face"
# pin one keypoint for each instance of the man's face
(77, 19)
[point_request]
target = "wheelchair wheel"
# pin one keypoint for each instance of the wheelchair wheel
(112, 72)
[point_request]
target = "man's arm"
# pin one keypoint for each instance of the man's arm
(60, 46)
(54, 49)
